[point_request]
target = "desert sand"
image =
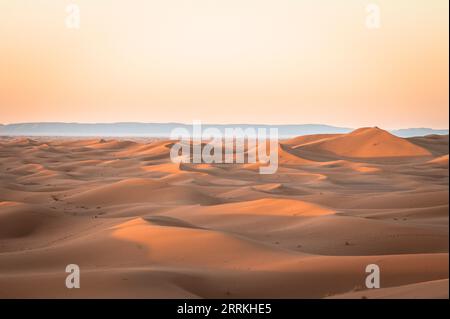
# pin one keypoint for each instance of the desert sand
(140, 226)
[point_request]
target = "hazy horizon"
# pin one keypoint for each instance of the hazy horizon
(226, 123)
(141, 129)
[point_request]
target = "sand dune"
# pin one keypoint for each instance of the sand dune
(138, 190)
(441, 161)
(436, 144)
(305, 139)
(140, 226)
(436, 289)
(366, 143)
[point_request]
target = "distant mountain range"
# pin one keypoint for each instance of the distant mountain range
(129, 129)
(411, 132)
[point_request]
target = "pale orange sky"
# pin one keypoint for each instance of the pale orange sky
(253, 61)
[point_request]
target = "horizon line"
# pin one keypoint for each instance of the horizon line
(221, 124)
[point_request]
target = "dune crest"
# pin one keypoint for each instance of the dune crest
(441, 161)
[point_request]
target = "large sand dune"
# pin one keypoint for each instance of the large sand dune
(140, 226)
(369, 142)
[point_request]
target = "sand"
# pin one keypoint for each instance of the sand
(140, 226)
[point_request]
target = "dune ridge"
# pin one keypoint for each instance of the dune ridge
(369, 142)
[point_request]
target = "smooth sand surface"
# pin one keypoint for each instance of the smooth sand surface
(140, 226)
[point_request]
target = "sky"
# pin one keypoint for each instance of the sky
(226, 61)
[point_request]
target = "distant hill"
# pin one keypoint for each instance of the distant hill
(163, 129)
(411, 132)
(148, 129)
